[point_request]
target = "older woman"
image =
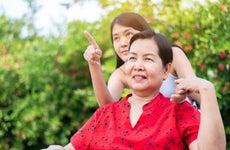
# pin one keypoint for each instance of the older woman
(145, 119)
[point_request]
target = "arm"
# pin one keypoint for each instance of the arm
(211, 133)
(92, 55)
(116, 83)
(182, 68)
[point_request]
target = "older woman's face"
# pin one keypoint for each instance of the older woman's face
(121, 37)
(144, 68)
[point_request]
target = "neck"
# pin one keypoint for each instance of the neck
(141, 100)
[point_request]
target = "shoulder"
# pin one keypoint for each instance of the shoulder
(113, 107)
(118, 74)
(187, 110)
(123, 101)
(177, 51)
(120, 70)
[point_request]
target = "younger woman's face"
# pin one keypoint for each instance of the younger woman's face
(121, 37)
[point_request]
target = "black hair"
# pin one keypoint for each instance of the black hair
(164, 46)
(129, 19)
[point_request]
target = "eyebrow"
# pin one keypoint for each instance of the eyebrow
(147, 54)
(126, 30)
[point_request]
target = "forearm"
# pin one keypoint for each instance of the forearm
(69, 147)
(211, 133)
(99, 85)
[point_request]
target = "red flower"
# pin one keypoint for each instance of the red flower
(5, 66)
(179, 44)
(188, 48)
(4, 50)
(57, 58)
(224, 8)
(166, 24)
(52, 86)
(226, 87)
(150, 18)
(222, 54)
(198, 63)
(186, 35)
(176, 35)
(221, 67)
(72, 67)
(75, 74)
(196, 26)
(203, 66)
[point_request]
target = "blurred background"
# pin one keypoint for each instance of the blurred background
(45, 86)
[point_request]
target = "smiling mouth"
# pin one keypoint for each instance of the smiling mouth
(139, 77)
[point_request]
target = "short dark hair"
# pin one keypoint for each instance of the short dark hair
(129, 19)
(164, 46)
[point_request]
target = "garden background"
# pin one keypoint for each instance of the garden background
(45, 87)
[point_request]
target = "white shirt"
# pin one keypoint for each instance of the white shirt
(168, 86)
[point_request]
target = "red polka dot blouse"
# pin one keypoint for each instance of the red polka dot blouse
(163, 125)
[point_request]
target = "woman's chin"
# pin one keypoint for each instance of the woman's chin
(139, 88)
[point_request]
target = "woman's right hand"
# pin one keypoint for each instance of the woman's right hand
(93, 53)
(54, 147)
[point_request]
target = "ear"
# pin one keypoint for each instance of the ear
(167, 71)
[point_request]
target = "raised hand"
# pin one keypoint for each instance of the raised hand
(93, 53)
(192, 85)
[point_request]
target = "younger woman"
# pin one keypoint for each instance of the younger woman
(123, 27)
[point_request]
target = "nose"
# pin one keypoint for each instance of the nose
(124, 41)
(138, 66)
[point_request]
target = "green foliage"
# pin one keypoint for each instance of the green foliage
(45, 86)
(46, 94)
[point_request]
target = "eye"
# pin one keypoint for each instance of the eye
(131, 58)
(149, 59)
(129, 34)
(115, 39)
